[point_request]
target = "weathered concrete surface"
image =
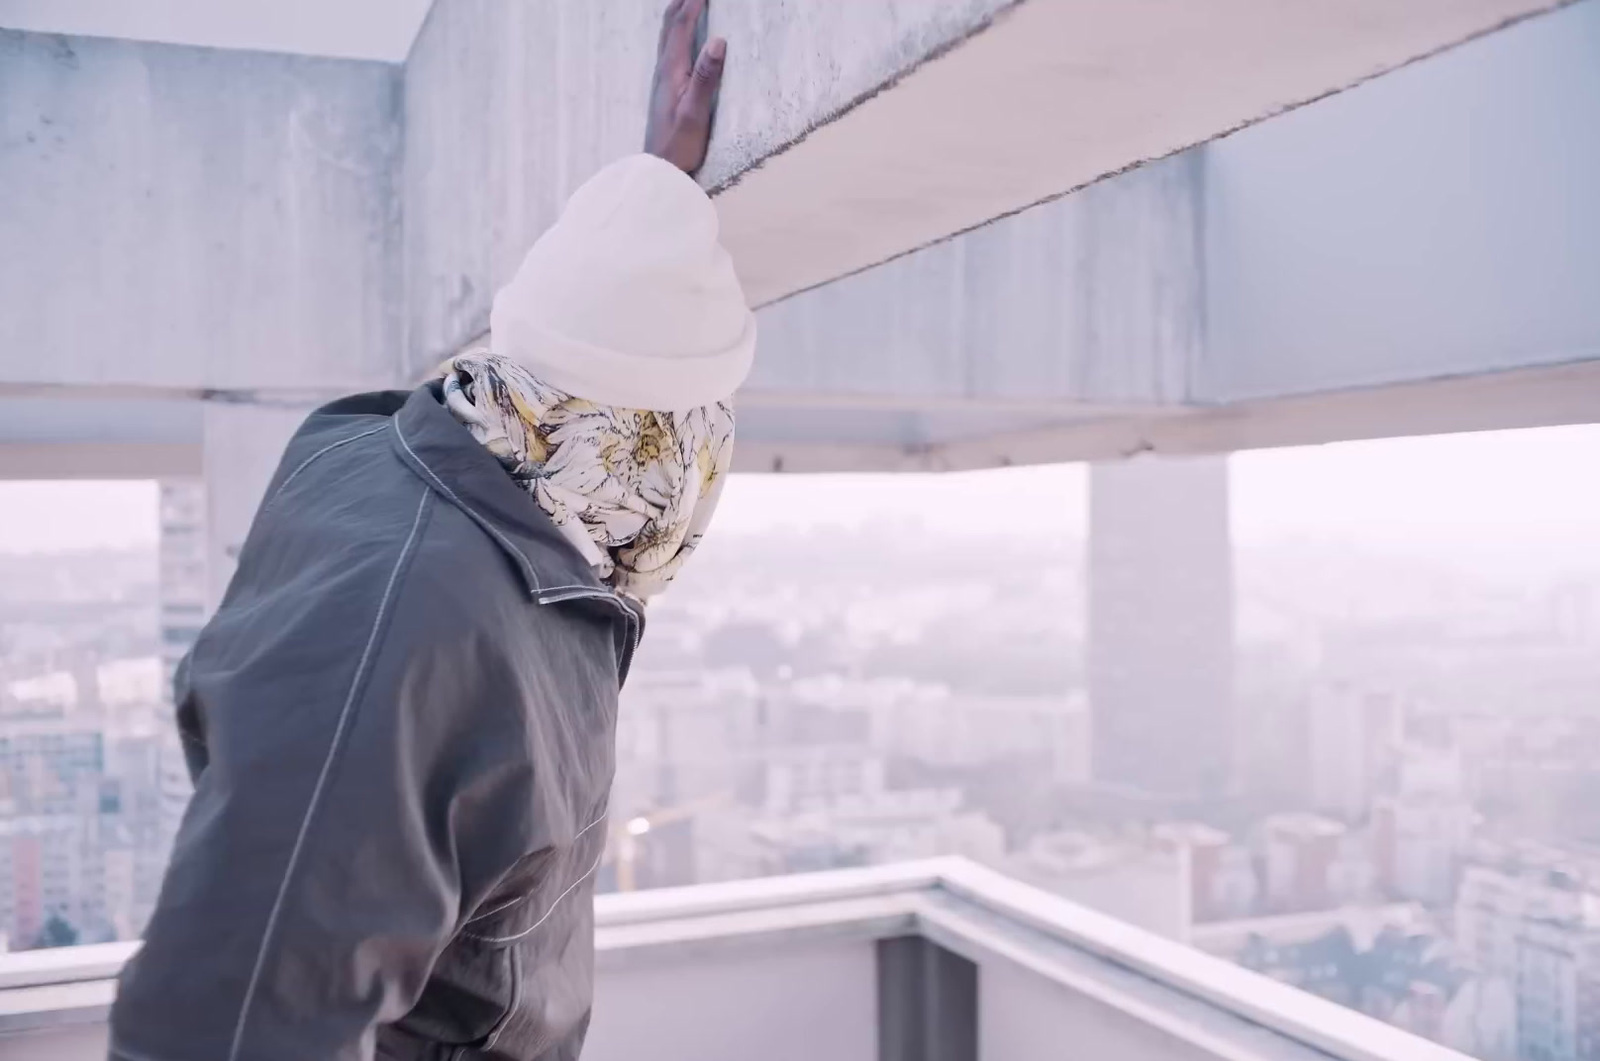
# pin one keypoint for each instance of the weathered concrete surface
(509, 107)
(181, 217)
(242, 448)
(1419, 254)
(852, 133)
(196, 220)
(1094, 299)
(1440, 222)
(98, 438)
(347, 29)
(1052, 95)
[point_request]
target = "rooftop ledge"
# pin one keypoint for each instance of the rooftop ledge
(1048, 968)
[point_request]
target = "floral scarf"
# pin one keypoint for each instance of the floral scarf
(633, 491)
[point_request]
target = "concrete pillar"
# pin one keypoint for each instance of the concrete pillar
(1161, 627)
(243, 445)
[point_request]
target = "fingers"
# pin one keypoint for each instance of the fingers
(702, 93)
(677, 29)
(667, 18)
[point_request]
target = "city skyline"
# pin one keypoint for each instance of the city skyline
(878, 693)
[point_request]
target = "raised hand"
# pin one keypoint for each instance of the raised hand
(685, 88)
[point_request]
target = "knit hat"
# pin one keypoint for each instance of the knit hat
(629, 299)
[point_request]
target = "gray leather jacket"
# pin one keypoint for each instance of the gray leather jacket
(401, 726)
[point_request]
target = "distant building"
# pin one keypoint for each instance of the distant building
(1553, 964)
(1134, 878)
(185, 592)
(1588, 1003)
(686, 735)
(893, 826)
(182, 562)
(1160, 652)
(1223, 883)
(1481, 1020)
(1531, 920)
(820, 776)
(52, 779)
(1353, 874)
(1423, 829)
(1301, 851)
(1404, 975)
(1228, 939)
(943, 728)
(1351, 734)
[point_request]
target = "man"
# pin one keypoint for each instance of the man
(401, 719)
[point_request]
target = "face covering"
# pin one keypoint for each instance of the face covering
(632, 490)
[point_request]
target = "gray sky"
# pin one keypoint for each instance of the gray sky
(1505, 493)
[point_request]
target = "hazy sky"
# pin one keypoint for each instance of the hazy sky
(1511, 491)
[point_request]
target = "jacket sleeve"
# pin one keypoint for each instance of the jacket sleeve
(354, 800)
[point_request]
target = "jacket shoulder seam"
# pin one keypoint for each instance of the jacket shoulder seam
(522, 559)
(303, 465)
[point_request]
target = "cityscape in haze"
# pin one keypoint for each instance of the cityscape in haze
(1343, 732)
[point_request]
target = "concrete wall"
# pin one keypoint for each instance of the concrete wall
(509, 107)
(1027, 1018)
(242, 447)
(180, 217)
(72, 1043)
(346, 29)
(1094, 298)
(851, 133)
(1442, 220)
(788, 1004)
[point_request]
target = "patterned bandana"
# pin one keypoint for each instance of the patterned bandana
(633, 491)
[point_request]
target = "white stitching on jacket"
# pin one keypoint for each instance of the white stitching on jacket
(118, 1053)
(527, 565)
(524, 898)
(325, 449)
(570, 889)
(322, 778)
(516, 1000)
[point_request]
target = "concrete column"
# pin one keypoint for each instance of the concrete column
(243, 445)
(203, 523)
(1161, 627)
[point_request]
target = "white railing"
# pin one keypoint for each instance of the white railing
(1048, 969)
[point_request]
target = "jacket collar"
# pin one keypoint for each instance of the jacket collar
(446, 457)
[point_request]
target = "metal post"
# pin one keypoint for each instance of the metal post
(927, 1002)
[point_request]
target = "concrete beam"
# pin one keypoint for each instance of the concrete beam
(853, 133)
(1438, 222)
(1540, 397)
(1417, 255)
(190, 218)
(1095, 298)
(850, 134)
(97, 460)
(346, 29)
(203, 225)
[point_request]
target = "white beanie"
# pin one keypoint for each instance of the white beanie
(629, 299)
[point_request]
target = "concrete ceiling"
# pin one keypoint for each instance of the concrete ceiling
(345, 29)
